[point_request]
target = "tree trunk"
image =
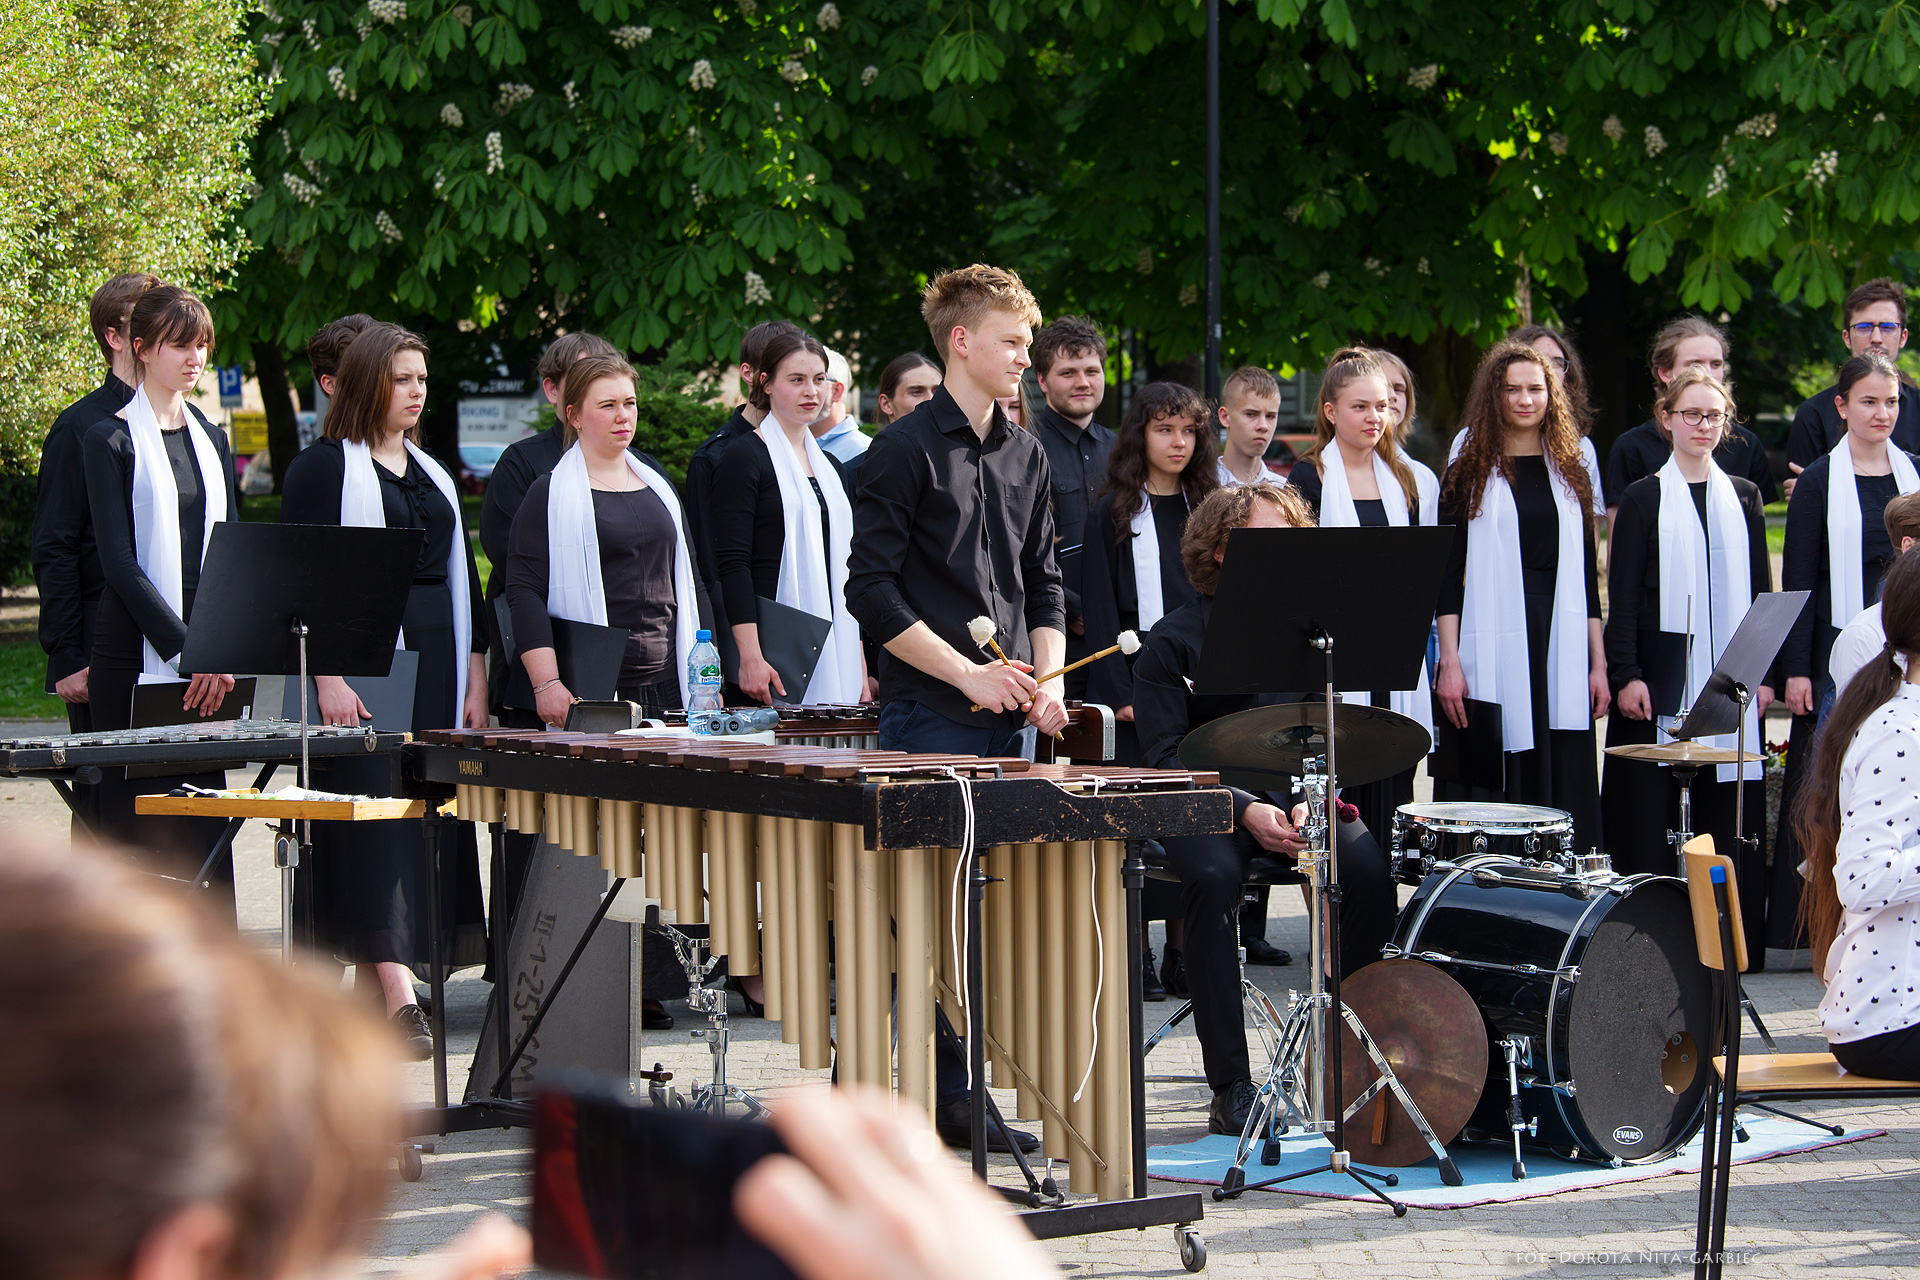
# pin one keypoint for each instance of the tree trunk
(283, 428)
(1616, 380)
(1443, 368)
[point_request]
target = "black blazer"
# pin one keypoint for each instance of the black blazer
(523, 462)
(1111, 602)
(108, 455)
(748, 524)
(66, 563)
(1633, 572)
(1803, 567)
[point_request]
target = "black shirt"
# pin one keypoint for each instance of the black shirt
(1633, 569)
(1539, 534)
(1817, 427)
(66, 564)
(1804, 567)
(701, 471)
(1077, 460)
(949, 527)
(635, 532)
(1110, 598)
(748, 526)
(129, 594)
(523, 462)
(1641, 451)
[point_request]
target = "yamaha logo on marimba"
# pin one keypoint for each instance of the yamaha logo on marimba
(473, 768)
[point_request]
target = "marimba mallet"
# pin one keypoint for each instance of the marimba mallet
(1129, 645)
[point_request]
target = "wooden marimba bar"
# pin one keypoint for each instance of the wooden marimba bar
(774, 847)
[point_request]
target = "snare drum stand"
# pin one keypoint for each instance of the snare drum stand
(1310, 1041)
(712, 1001)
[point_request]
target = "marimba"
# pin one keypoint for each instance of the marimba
(773, 845)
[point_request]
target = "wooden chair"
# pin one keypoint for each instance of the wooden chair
(1753, 1079)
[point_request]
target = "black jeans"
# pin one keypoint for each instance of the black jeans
(1212, 870)
(1891, 1055)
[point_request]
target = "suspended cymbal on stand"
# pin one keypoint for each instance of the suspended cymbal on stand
(1682, 753)
(1257, 747)
(1429, 1028)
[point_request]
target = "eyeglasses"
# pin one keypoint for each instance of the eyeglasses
(1886, 328)
(1558, 362)
(1694, 417)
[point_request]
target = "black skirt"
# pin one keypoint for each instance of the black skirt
(367, 880)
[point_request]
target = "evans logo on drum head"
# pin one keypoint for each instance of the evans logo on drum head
(1626, 1135)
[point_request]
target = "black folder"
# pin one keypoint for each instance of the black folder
(588, 657)
(1474, 756)
(1663, 665)
(388, 697)
(160, 703)
(791, 641)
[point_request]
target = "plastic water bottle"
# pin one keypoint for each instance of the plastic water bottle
(703, 685)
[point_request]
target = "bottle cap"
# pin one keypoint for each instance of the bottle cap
(702, 634)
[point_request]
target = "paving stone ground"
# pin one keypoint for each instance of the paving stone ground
(1845, 1211)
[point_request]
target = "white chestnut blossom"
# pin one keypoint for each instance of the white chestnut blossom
(1612, 127)
(1824, 166)
(312, 166)
(1189, 294)
(511, 96)
(828, 19)
(1424, 78)
(757, 293)
(701, 77)
(451, 116)
(302, 190)
(1143, 262)
(389, 231)
(1424, 267)
(462, 14)
(1656, 141)
(1879, 117)
(1557, 142)
(1376, 266)
(272, 15)
(363, 29)
(496, 152)
(1322, 280)
(869, 75)
(1717, 185)
(272, 39)
(337, 77)
(313, 36)
(1761, 126)
(388, 11)
(699, 197)
(793, 71)
(628, 37)
(749, 7)
(572, 98)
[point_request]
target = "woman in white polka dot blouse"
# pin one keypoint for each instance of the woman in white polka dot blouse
(1858, 819)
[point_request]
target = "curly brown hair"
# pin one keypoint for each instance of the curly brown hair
(1224, 510)
(1484, 421)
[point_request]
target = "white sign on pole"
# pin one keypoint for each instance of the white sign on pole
(502, 419)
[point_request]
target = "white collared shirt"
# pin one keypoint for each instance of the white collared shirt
(1873, 968)
(846, 441)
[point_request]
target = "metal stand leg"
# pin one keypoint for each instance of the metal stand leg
(1512, 1047)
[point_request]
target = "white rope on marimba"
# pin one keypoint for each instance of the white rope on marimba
(1100, 974)
(958, 927)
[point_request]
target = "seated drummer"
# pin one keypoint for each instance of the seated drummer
(1213, 868)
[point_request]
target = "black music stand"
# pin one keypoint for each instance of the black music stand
(301, 600)
(1286, 597)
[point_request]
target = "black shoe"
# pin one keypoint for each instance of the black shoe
(656, 1018)
(1150, 988)
(1173, 974)
(415, 1033)
(755, 1009)
(1231, 1107)
(1260, 951)
(953, 1121)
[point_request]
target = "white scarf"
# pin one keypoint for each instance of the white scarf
(361, 508)
(1710, 572)
(575, 590)
(804, 582)
(1843, 526)
(156, 515)
(1493, 619)
(1146, 565)
(1337, 511)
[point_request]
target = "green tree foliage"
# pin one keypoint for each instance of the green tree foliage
(122, 147)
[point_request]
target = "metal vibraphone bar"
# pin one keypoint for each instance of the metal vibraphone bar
(1087, 737)
(774, 846)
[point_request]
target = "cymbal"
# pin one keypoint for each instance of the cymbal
(1429, 1029)
(1682, 753)
(1256, 747)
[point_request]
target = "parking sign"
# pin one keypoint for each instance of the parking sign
(230, 396)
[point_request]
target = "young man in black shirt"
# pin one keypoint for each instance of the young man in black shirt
(66, 564)
(1874, 318)
(952, 522)
(1070, 360)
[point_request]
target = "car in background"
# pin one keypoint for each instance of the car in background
(1285, 450)
(476, 465)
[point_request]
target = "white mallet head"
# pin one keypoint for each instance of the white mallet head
(982, 630)
(1129, 643)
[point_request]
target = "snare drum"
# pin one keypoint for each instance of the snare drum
(1451, 832)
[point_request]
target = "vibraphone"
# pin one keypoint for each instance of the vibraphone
(877, 844)
(1087, 737)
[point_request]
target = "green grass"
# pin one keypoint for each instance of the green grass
(23, 676)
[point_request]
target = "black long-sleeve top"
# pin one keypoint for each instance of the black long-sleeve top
(523, 462)
(1804, 567)
(635, 533)
(1109, 598)
(1641, 451)
(108, 455)
(1077, 463)
(748, 525)
(1165, 707)
(311, 495)
(1305, 478)
(1634, 562)
(1817, 427)
(66, 563)
(701, 470)
(1532, 486)
(950, 526)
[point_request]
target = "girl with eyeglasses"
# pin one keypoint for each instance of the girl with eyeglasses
(1688, 557)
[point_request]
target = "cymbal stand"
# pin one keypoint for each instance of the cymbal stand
(712, 1001)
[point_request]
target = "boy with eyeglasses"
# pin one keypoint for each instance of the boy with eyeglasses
(1875, 320)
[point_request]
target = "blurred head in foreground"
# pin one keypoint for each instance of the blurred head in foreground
(177, 1107)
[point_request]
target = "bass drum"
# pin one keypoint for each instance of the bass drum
(1597, 985)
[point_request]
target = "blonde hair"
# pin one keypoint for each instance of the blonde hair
(962, 298)
(1693, 376)
(1348, 365)
(581, 375)
(1249, 380)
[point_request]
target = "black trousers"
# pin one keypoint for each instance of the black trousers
(1892, 1055)
(1212, 870)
